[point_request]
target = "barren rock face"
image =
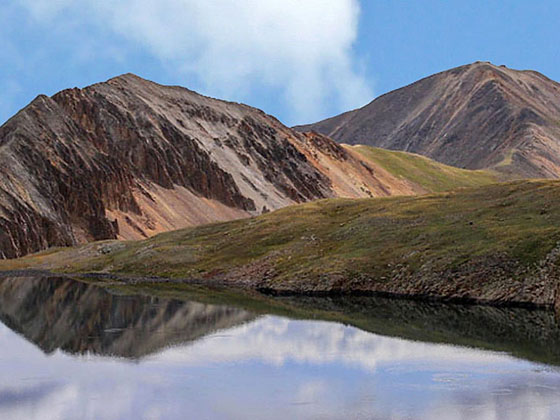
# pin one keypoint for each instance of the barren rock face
(171, 136)
(475, 116)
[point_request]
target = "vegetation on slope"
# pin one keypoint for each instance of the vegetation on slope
(496, 243)
(429, 174)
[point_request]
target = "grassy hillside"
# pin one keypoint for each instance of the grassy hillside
(429, 174)
(496, 243)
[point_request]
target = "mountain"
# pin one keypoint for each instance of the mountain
(497, 243)
(475, 116)
(129, 158)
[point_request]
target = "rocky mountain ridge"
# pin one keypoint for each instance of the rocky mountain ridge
(474, 116)
(129, 158)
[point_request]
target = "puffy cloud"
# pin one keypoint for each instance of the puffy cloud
(302, 50)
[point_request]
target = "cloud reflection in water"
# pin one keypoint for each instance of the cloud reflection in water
(276, 368)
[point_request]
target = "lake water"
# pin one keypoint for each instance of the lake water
(74, 351)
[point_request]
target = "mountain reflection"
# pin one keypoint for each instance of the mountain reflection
(525, 333)
(59, 313)
(79, 318)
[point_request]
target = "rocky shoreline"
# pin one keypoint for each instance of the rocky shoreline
(510, 297)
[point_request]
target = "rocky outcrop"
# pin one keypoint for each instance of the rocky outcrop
(475, 116)
(54, 188)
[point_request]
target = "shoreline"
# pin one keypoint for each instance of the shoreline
(111, 279)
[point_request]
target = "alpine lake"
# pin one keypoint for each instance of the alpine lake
(82, 349)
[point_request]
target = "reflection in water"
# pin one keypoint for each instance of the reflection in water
(193, 360)
(528, 334)
(58, 313)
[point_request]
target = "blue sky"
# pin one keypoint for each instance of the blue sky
(300, 61)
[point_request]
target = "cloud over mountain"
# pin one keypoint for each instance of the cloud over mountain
(301, 51)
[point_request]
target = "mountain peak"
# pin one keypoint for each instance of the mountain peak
(475, 116)
(128, 79)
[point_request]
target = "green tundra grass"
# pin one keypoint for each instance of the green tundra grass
(431, 175)
(518, 221)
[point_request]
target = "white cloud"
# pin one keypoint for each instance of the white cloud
(302, 49)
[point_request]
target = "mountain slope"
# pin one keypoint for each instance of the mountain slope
(129, 158)
(475, 116)
(423, 172)
(498, 243)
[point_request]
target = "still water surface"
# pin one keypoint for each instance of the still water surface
(70, 350)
